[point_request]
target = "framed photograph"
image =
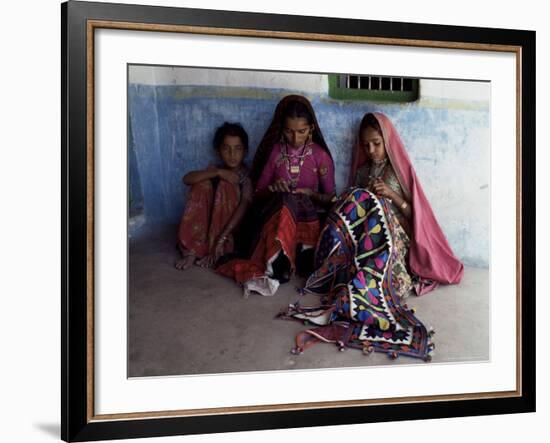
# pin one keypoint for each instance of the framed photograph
(175, 124)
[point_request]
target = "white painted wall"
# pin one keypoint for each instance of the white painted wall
(461, 90)
(312, 83)
(149, 75)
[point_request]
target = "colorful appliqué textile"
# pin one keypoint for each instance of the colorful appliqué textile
(360, 307)
(404, 283)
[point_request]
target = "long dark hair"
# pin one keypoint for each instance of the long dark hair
(296, 109)
(291, 106)
(369, 121)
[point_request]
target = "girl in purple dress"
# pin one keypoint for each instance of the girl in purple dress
(295, 185)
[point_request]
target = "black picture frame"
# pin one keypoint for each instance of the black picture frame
(78, 422)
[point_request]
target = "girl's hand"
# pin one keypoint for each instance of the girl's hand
(305, 191)
(279, 185)
(382, 189)
(228, 176)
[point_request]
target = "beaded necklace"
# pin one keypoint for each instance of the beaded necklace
(295, 170)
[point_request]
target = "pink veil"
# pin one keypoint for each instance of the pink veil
(430, 255)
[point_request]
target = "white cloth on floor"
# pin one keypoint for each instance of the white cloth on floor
(262, 285)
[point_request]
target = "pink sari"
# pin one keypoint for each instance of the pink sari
(430, 256)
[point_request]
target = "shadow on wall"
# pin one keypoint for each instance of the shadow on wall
(171, 130)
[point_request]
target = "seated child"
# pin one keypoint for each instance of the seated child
(217, 201)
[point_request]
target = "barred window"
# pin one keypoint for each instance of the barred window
(373, 87)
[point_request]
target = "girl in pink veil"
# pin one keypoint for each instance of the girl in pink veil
(388, 171)
(381, 242)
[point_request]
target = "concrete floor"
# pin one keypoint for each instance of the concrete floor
(197, 322)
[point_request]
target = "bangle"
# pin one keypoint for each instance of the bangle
(404, 205)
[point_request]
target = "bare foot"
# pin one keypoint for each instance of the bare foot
(185, 262)
(206, 262)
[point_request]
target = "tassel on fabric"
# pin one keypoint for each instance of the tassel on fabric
(431, 352)
(368, 349)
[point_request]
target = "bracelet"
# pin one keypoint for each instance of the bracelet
(403, 205)
(222, 240)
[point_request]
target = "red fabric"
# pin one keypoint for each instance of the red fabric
(333, 333)
(430, 255)
(207, 211)
(280, 233)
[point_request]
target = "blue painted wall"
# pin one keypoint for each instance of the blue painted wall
(171, 130)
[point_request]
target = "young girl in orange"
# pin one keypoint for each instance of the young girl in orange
(217, 201)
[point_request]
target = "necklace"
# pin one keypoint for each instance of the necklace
(294, 170)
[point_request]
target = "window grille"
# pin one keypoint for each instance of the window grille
(373, 87)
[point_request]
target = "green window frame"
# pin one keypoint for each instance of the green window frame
(373, 88)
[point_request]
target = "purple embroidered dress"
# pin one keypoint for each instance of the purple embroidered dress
(306, 167)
